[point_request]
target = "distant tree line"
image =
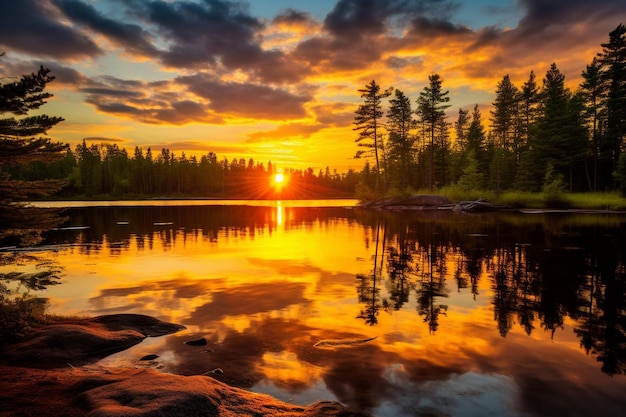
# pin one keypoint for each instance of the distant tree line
(96, 170)
(540, 137)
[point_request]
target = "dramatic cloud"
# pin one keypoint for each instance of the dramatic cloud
(130, 36)
(154, 103)
(220, 63)
(247, 100)
(33, 27)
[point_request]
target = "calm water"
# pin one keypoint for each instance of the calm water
(473, 315)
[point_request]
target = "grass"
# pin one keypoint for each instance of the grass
(584, 201)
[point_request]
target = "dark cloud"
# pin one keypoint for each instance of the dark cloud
(247, 100)
(292, 17)
(33, 27)
(219, 35)
(398, 63)
(357, 18)
(543, 16)
(328, 55)
(151, 103)
(354, 18)
(428, 29)
(130, 36)
(550, 31)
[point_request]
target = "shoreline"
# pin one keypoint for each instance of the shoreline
(53, 371)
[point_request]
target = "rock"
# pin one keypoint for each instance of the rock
(197, 342)
(79, 342)
(149, 357)
(150, 393)
(418, 201)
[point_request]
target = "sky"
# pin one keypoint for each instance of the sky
(278, 80)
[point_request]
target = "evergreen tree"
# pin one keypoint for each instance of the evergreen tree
(461, 127)
(399, 125)
(504, 124)
(504, 113)
(593, 89)
(529, 99)
(561, 137)
(20, 145)
(613, 60)
(476, 134)
(431, 109)
(369, 125)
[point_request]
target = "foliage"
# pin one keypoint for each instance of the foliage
(472, 177)
(620, 174)
(18, 148)
(553, 188)
(19, 309)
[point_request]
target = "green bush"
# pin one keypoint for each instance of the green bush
(18, 315)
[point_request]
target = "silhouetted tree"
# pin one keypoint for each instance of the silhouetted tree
(431, 109)
(368, 123)
(20, 145)
(399, 125)
(613, 61)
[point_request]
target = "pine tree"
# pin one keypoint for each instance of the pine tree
(461, 126)
(613, 60)
(529, 99)
(593, 89)
(504, 122)
(20, 145)
(399, 125)
(369, 125)
(431, 109)
(561, 137)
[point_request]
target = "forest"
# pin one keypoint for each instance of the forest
(537, 136)
(542, 135)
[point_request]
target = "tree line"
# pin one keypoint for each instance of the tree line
(540, 137)
(108, 170)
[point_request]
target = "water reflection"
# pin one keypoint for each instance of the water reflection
(504, 314)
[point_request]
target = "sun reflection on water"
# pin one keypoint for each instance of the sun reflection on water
(263, 285)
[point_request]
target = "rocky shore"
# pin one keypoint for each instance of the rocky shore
(52, 372)
(430, 202)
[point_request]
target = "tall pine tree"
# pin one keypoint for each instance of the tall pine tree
(613, 60)
(368, 123)
(431, 109)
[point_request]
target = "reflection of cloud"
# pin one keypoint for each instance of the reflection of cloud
(466, 395)
(249, 299)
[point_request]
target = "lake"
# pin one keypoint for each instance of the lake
(395, 314)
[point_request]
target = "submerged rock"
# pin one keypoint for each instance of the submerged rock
(197, 342)
(79, 342)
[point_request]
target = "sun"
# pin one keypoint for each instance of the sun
(279, 178)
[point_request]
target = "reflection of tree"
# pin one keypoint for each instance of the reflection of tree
(18, 307)
(602, 322)
(399, 270)
(505, 292)
(431, 285)
(368, 285)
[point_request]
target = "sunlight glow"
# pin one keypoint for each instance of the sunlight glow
(279, 178)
